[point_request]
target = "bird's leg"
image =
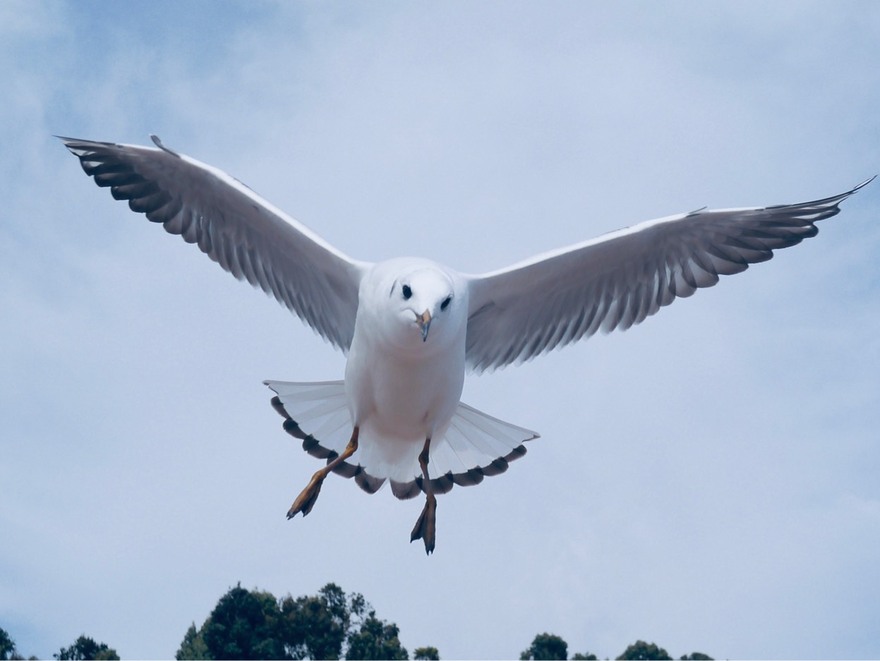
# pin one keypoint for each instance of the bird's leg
(426, 526)
(307, 497)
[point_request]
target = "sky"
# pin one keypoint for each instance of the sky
(706, 480)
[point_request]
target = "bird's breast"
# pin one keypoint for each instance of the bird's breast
(407, 397)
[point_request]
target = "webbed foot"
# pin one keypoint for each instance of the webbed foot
(305, 501)
(426, 526)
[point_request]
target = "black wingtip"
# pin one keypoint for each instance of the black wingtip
(74, 144)
(864, 183)
(837, 199)
(842, 196)
(70, 143)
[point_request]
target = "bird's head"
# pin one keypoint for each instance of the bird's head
(422, 306)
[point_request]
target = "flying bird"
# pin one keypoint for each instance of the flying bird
(411, 327)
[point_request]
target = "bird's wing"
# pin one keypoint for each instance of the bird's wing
(235, 227)
(621, 278)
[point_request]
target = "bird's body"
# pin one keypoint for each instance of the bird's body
(412, 328)
(403, 388)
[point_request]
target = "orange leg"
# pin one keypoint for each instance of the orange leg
(426, 526)
(307, 497)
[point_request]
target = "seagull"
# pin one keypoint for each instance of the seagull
(412, 328)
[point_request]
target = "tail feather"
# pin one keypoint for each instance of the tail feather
(475, 445)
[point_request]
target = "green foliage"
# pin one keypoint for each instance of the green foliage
(7, 648)
(376, 639)
(642, 651)
(551, 646)
(244, 625)
(7, 645)
(546, 646)
(86, 648)
(316, 627)
(249, 624)
(193, 645)
(254, 624)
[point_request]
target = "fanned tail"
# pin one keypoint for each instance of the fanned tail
(474, 445)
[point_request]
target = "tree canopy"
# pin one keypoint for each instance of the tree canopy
(86, 648)
(193, 645)
(642, 651)
(375, 639)
(546, 646)
(550, 646)
(7, 645)
(253, 624)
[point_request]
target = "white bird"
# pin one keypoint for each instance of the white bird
(412, 327)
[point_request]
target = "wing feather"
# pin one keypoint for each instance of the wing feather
(621, 278)
(236, 228)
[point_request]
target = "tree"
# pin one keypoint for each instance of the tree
(375, 639)
(546, 646)
(244, 625)
(7, 645)
(584, 657)
(316, 627)
(696, 656)
(253, 624)
(642, 651)
(426, 654)
(86, 648)
(193, 645)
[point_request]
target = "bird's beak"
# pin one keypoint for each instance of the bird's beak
(424, 322)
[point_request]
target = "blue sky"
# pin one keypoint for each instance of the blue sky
(706, 480)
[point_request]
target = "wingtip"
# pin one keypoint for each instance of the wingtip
(80, 146)
(837, 199)
(271, 385)
(73, 143)
(864, 183)
(68, 141)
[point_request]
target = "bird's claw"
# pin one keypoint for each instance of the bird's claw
(426, 525)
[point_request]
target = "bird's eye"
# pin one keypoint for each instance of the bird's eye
(446, 302)
(407, 292)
